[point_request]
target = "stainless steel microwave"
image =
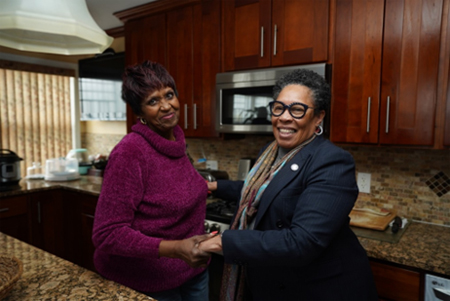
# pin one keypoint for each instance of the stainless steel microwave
(243, 98)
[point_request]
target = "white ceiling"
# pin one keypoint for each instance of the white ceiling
(103, 11)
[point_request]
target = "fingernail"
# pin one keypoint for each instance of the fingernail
(214, 232)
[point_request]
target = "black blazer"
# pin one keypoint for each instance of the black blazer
(302, 247)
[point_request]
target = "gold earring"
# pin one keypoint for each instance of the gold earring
(143, 121)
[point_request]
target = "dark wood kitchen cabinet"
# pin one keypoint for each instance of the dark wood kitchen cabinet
(88, 204)
(263, 33)
(193, 59)
(14, 219)
(47, 221)
(184, 36)
(385, 71)
(397, 283)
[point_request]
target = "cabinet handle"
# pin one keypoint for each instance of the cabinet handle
(39, 212)
(185, 116)
(262, 41)
(4, 210)
(195, 116)
(275, 40)
(368, 114)
(387, 113)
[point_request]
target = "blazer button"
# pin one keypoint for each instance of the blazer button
(279, 224)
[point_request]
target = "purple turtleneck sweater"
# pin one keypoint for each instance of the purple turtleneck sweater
(150, 192)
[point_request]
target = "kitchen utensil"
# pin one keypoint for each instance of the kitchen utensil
(369, 219)
(9, 169)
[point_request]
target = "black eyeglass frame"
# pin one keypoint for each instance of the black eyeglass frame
(306, 107)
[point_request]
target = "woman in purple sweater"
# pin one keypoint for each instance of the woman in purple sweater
(150, 214)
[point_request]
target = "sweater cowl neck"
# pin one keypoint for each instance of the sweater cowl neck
(174, 149)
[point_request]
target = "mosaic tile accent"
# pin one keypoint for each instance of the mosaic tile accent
(439, 183)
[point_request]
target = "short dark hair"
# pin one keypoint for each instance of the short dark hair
(142, 79)
(310, 79)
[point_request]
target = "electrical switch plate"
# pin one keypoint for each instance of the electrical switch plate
(364, 182)
(211, 164)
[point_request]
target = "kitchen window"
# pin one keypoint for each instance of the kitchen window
(35, 111)
(101, 99)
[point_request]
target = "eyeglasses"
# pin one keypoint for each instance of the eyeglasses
(296, 109)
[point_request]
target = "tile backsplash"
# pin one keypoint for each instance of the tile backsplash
(401, 178)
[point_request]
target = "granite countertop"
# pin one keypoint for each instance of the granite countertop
(48, 277)
(422, 246)
(87, 184)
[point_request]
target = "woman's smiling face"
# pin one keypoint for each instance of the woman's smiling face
(161, 110)
(289, 131)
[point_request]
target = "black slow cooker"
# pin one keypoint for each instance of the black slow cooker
(9, 170)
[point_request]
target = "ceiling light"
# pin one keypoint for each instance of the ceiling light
(51, 26)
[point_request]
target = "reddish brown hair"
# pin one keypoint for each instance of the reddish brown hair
(142, 79)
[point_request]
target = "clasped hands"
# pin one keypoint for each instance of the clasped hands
(195, 250)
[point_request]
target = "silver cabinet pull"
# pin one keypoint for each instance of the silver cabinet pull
(275, 40)
(4, 210)
(262, 41)
(195, 116)
(368, 114)
(185, 116)
(387, 113)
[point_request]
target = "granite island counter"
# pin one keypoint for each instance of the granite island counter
(48, 277)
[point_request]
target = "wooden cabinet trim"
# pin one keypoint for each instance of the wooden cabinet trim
(152, 8)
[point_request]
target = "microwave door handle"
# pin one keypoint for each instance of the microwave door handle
(195, 116)
(185, 116)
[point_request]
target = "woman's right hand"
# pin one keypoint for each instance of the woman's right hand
(212, 186)
(186, 250)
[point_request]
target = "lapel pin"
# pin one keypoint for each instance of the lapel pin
(294, 167)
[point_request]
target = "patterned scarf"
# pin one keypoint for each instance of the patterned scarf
(256, 182)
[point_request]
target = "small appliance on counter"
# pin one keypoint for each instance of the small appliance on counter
(9, 170)
(35, 172)
(82, 157)
(61, 169)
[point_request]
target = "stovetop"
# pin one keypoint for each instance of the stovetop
(220, 211)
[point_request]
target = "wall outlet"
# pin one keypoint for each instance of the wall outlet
(363, 181)
(211, 164)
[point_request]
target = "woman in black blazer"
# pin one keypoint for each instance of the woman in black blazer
(290, 238)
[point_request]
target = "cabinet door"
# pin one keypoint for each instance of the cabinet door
(193, 36)
(447, 106)
(47, 221)
(206, 65)
(247, 32)
(180, 59)
(356, 71)
(299, 31)
(145, 40)
(410, 71)
(88, 205)
(394, 283)
(14, 217)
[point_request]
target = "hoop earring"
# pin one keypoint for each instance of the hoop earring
(143, 121)
(319, 130)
